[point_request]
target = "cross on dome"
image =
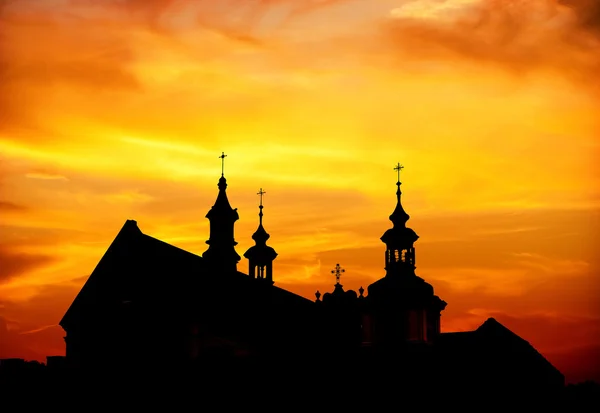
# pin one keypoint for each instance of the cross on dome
(338, 273)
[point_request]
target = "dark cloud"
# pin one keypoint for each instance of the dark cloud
(45, 307)
(587, 12)
(12, 344)
(8, 206)
(29, 329)
(14, 264)
(30, 345)
(561, 36)
(17, 236)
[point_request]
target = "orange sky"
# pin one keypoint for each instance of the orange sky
(118, 110)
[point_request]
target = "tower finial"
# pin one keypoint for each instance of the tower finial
(399, 216)
(222, 163)
(260, 214)
(398, 168)
(338, 272)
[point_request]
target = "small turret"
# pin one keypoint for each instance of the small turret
(260, 256)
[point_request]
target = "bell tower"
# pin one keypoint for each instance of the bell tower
(402, 306)
(260, 256)
(399, 240)
(221, 254)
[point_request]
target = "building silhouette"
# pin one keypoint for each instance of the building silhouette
(149, 305)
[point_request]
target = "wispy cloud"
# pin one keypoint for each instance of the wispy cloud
(8, 206)
(46, 176)
(37, 330)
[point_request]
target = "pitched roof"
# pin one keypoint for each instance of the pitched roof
(132, 258)
(137, 265)
(493, 331)
(497, 341)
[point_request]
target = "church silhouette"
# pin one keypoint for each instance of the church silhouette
(150, 306)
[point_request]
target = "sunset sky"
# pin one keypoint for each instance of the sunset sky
(116, 110)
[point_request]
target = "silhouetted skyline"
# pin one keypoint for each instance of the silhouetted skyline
(122, 111)
(149, 307)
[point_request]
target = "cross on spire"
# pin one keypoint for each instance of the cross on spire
(338, 272)
(398, 168)
(261, 193)
(222, 162)
(260, 214)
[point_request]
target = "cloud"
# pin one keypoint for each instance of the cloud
(75, 51)
(88, 58)
(109, 50)
(8, 206)
(517, 35)
(12, 344)
(587, 12)
(27, 235)
(432, 9)
(129, 197)
(29, 328)
(233, 18)
(15, 264)
(30, 345)
(46, 176)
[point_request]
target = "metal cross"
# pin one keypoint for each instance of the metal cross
(222, 162)
(261, 193)
(338, 272)
(398, 168)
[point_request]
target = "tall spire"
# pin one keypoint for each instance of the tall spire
(221, 252)
(402, 307)
(260, 255)
(222, 163)
(260, 236)
(399, 216)
(399, 240)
